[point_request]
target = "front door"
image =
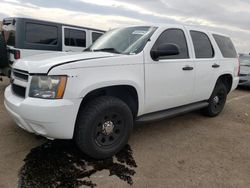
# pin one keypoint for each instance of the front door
(169, 81)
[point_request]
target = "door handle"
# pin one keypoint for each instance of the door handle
(188, 68)
(215, 66)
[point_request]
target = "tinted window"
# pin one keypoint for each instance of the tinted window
(9, 32)
(75, 38)
(174, 36)
(226, 46)
(202, 45)
(10, 37)
(41, 34)
(95, 36)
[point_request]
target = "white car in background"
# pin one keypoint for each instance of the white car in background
(131, 74)
(23, 37)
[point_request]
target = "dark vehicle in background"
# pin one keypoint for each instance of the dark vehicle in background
(244, 70)
(22, 37)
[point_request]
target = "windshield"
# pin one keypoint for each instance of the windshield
(245, 61)
(129, 40)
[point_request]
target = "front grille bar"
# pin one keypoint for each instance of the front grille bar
(22, 75)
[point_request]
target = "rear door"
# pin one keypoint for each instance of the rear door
(205, 64)
(74, 39)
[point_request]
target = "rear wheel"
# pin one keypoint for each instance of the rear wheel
(3, 53)
(103, 127)
(217, 100)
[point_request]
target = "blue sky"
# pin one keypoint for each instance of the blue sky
(231, 17)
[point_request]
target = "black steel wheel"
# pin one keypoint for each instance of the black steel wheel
(109, 129)
(217, 100)
(103, 127)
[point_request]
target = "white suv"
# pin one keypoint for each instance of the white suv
(132, 74)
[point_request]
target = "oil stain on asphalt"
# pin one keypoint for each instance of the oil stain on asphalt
(60, 164)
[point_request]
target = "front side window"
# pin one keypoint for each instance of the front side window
(130, 40)
(202, 45)
(75, 38)
(226, 46)
(177, 37)
(41, 34)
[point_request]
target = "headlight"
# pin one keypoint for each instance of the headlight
(48, 87)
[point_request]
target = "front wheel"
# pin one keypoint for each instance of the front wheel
(217, 101)
(103, 127)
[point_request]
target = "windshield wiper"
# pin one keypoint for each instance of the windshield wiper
(111, 50)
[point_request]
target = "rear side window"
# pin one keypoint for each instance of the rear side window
(202, 45)
(95, 36)
(226, 46)
(41, 34)
(174, 36)
(76, 38)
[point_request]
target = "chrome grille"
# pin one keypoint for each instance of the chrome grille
(19, 82)
(21, 75)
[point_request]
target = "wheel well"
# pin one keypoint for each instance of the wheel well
(227, 79)
(127, 94)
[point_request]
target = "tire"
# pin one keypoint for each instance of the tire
(91, 136)
(3, 53)
(217, 101)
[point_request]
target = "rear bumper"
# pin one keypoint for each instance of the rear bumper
(54, 119)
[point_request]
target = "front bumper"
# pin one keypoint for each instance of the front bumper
(54, 119)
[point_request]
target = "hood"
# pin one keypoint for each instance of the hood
(42, 63)
(245, 69)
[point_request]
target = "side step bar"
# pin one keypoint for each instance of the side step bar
(156, 116)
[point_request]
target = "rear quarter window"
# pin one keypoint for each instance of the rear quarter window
(9, 32)
(41, 34)
(226, 46)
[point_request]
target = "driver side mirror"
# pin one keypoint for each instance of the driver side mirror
(167, 49)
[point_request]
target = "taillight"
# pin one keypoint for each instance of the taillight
(238, 66)
(17, 54)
